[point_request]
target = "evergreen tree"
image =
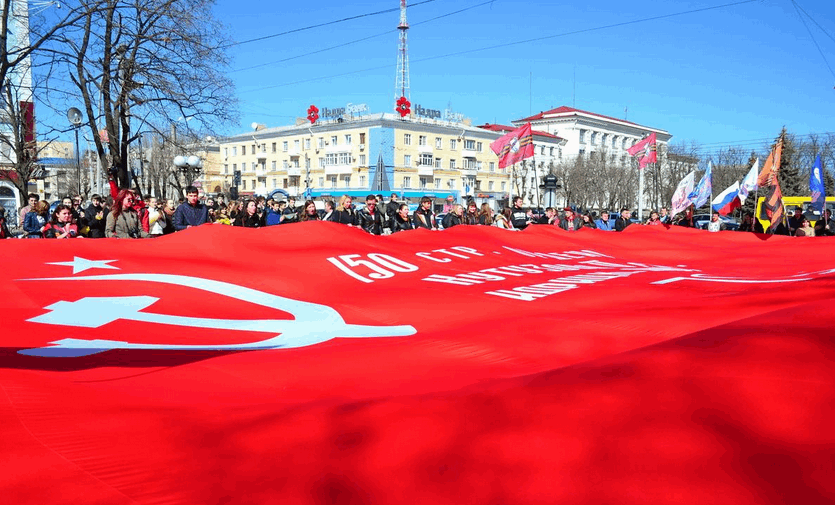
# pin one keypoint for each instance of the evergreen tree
(791, 182)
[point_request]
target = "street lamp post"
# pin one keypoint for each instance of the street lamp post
(74, 117)
(190, 167)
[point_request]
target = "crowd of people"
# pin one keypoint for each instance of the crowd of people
(124, 214)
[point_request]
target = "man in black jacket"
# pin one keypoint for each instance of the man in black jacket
(392, 207)
(623, 220)
(369, 218)
(519, 217)
(423, 217)
(96, 217)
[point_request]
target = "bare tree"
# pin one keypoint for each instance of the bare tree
(21, 37)
(140, 63)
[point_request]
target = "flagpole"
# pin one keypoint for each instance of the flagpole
(536, 180)
(640, 193)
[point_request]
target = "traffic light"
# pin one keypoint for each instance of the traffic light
(237, 179)
(233, 193)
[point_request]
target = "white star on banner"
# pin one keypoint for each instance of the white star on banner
(81, 264)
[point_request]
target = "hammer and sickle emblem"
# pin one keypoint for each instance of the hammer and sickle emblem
(313, 323)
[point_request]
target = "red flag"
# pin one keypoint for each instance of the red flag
(473, 365)
(514, 146)
(646, 150)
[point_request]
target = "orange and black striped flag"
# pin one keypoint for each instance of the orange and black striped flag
(768, 178)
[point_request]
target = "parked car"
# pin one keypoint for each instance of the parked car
(701, 221)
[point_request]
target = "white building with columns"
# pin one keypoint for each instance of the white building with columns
(587, 132)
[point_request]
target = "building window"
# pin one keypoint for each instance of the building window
(344, 158)
(439, 143)
(225, 169)
(550, 151)
(273, 147)
(253, 166)
(452, 164)
(285, 164)
(623, 144)
(321, 182)
(333, 140)
(362, 181)
(284, 183)
(235, 151)
(452, 184)
(614, 141)
(492, 166)
(321, 162)
(582, 136)
(453, 144)
(437, 184)
(426, 160)
(234, 167)
(362, 160)
(362, 138)
(333, 181)
(424, 182)
(469, 145)
(504, 186)
(346, 180)
(348, 138)
(478, 185)
(407, 139)
(225, 152)
(490, 186)
(296, 145)
(407, 182)
(407, 160)
(285, 146)
(582, 152)
(479, 166)
(594, 138)
(479, 146)
(422, 140)
(542, 150)
(243, 183)
(272, 165)
(320, 142)
(275, 183)
(307, 144)
(243, 151)
(438, 163)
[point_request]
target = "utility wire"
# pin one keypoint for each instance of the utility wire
(508, 44)
(802, 20)
(345, 44)
(814, 21)
(320, 25)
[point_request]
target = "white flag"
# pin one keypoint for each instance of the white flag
(749, 184)
(685, 187)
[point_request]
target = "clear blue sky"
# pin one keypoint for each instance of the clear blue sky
(721, 76)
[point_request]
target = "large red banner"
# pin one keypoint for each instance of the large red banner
(314, 363)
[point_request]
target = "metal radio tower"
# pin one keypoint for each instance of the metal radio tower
(401, 84)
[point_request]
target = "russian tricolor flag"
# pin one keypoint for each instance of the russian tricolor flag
(727, 201)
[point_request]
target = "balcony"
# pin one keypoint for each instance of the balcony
(469, 172)
(425, 149)
(297, 171)
(338, 170)
(427, 171)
